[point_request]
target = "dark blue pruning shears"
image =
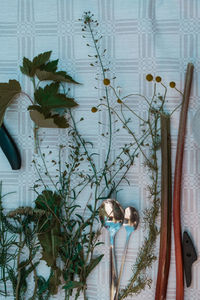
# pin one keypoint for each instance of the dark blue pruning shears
(9, 148)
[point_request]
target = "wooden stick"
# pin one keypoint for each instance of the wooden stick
(166, 211)
(177, 185)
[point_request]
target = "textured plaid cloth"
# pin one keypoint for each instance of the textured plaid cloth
(141, 36)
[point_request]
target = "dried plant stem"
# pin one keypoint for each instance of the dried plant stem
(35, 130)
(177, 184)
(3, 241)
(36, 284)
(106, 92)
(145, 257)
(21, 245)
(25, 94)
(166, 211)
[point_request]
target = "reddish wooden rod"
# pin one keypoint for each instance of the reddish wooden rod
(177, 184)
(166, 211)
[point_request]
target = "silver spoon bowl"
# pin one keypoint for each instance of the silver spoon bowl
(111, 215)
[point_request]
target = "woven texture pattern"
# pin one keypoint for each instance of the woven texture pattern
(141, 36)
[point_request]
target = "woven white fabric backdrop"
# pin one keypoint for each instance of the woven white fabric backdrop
(141, 37)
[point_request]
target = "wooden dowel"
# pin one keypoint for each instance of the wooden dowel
(166, 211)
(177, 185)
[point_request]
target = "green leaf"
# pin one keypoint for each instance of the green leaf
(30, 269)
(45, 114)
(47, 199)
(50, 235)
(13, 278)
(43, 284)
(54, 281)
(47, 91)
(89, 206)
(29, 67)
(73, 285)
(24, 263)
(51, 66)
(8, 92)
(50, 122)
(11, 228)
(99, 243)
(60, 121)
(50, 98)
(93, 263)
(37, 107)
(80, 217)
(50, 241)
(41, 59)
(60, 76)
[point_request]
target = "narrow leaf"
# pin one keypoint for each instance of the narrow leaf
(73, 285)
(93, 263)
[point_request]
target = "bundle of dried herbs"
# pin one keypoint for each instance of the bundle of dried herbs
(7, 256)
(17, 241)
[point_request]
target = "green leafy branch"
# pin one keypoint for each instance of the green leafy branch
(48, 108)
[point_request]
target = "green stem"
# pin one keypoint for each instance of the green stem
(35, 130)
(149, 242)
(107, 98)
(21, 245)
(25, 94)
(84, 293)
(83, 144)
(136, 95)
(129, 131)
(38, 172)
(123, 103)
(3, 240)
(46, 170)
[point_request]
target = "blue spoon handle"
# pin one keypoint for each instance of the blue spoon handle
(113, 270)
(9, 148)
(129, 230)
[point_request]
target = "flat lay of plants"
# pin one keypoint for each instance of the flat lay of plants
(53, 229)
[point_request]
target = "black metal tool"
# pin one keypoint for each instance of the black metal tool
(189, 257)
(9, 148)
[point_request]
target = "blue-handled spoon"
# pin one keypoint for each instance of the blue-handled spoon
(111, 215)
(131, 220)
